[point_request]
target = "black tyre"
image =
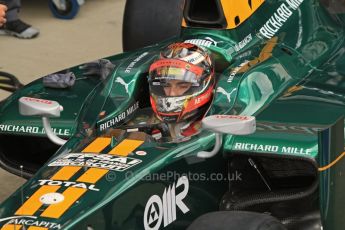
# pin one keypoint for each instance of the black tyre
(150, 21)
(231, 220)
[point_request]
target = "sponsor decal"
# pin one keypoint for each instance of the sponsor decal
(245, 54)
(16, 217)
(180, 45)
(278, 19)
(42, 101)
(295, 129)
(156, 134)
(197, 102)
(224, 92)
(197, 70)
(103, 161)
(243, 118)
(272, 148)
(132, 64)
(122, 82)
(32, 129)
(141, 153)
(265, 54)
(239, 46)
(33, 222)
(194, 58)
(244, 42)
(164, 209)
(207, 42)
(120, 117)
(73, 191)
(67, 184)
(236, 70)
(202, 99)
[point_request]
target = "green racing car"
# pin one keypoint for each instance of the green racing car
(234, 122)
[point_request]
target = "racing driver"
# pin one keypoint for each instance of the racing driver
(181, 83)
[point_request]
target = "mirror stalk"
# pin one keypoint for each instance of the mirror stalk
(50, 133)
(216, 148)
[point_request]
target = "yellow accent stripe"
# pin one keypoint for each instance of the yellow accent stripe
(92, 175)
(126, 147)
(37, 228)
(97, 145)
(11, 227)
(71, 195)
(33, 203)
(238, 11)
(65, 173)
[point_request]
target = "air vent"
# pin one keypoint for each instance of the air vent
(207, 13)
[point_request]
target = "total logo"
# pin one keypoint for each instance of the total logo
(164, 209)
(68, 184)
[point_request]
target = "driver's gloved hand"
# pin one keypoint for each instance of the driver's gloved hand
(101, 68)
(59, 80)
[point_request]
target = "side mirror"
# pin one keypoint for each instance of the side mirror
(29, 106)
(230, 124)
(226, 124)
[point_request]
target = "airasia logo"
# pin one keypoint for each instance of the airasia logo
(37, 100)
(164, 209)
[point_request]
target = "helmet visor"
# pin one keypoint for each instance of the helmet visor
(174, 78)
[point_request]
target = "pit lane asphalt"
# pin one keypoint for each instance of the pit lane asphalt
(93, 34)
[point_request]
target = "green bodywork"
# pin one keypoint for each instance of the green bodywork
(293, 83)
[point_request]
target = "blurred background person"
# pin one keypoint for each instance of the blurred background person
(3, 9)
(14, 26)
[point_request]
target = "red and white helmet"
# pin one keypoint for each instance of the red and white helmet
(188, 69)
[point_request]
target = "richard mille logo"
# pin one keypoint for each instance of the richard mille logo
(164, 209)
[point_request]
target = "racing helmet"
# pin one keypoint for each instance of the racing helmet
(181, 83)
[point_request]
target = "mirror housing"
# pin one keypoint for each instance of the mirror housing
(230, 124)
(226, 124)
(29, 106)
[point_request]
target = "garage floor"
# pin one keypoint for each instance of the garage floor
(94, 33)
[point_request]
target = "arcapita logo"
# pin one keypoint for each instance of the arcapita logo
(16, 217)
(165, 208)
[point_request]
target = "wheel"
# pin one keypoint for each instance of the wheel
(72, 8)
(150, 21)
(231, 220)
